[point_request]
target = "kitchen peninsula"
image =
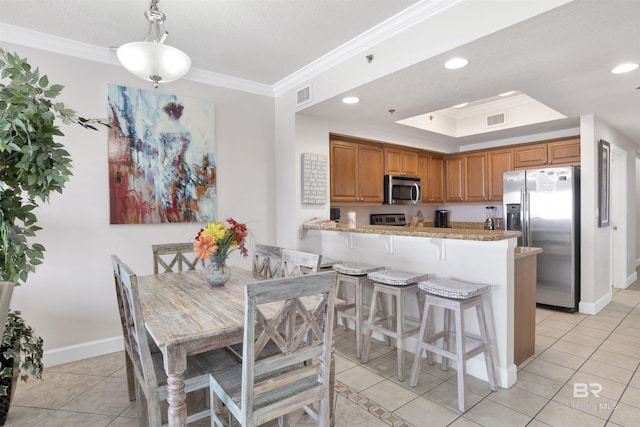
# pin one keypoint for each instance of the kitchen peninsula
(472, 255)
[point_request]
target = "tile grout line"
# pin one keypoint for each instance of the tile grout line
(576, 370)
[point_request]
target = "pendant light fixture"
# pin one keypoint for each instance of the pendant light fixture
(151, 59)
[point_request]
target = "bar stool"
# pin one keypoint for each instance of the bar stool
(397, 284)
(455, 297)
(354, 274)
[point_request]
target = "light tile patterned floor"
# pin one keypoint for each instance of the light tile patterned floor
(602, 350)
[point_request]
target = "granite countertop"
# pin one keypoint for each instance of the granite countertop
(479, 234)
(522, 252)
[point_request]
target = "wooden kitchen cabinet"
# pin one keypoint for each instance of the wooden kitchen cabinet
(400, 162)
(454, 174)
(563, 152)
(524, 298)
(498, 161)
(431, 170)
(357, 172)
(475, 177)
(548, 154)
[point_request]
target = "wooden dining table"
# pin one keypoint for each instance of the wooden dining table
(185, 315)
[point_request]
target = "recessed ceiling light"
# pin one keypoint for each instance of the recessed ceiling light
(464, 104)
(350, 100)
(511, 92)
(456, 63)
(624, 68)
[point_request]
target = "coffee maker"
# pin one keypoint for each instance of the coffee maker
(441, 218)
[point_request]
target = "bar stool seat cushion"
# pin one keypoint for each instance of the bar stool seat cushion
(396, 277)
(450, 288)
(355, 268)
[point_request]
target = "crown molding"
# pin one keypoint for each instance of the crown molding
(414, 14)
(34, 39)
(489, 107)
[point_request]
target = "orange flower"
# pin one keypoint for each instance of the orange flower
(205, 246)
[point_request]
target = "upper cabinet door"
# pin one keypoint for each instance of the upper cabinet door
(454, 169)
(475, 181)
(563, 152)
(400, 162)
(530, 156)
(410, 163)
(371, 173)
(498, 162)
(344, 171)
(392, 162)
(431, 170)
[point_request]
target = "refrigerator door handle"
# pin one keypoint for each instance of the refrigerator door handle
(527, 220)
(524, 218)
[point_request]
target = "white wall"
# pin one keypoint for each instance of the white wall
(622, 143)
(636, 218)
(70, 300)
(596, 242)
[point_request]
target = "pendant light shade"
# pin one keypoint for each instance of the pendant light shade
(158, 63)
(151, 59)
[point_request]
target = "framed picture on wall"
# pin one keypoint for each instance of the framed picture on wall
(604, 174)
(162, 157)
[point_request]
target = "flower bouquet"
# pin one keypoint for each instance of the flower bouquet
(216, 242)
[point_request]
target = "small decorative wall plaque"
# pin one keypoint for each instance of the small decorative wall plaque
(314, 178)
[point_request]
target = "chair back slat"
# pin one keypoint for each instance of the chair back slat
(266, 261)
(169, 257)
(282, 377)
(296, 263)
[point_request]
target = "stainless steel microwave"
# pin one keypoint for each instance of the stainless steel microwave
(402, 190)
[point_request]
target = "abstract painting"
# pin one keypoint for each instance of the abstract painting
(162, 164)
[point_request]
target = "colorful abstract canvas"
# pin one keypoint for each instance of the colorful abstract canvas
(162, 164)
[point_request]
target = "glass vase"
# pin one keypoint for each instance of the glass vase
(216, 273)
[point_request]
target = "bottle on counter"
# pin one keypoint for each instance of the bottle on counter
(351, 219)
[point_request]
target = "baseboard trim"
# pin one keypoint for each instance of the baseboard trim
(58, 356)
(632, 279)
(594, 308)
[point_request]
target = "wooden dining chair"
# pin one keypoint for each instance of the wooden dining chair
(269, 387)
(175, 257)
(296, 263)
(266, 261)
(150, 377)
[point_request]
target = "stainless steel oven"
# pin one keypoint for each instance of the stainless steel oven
(402, 190)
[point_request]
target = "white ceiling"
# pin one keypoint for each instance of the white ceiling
(258, 40)
(561, 58)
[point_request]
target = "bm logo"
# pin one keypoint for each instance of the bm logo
(582, 390)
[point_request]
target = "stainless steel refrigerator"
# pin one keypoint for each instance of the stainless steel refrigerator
(545, 205)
